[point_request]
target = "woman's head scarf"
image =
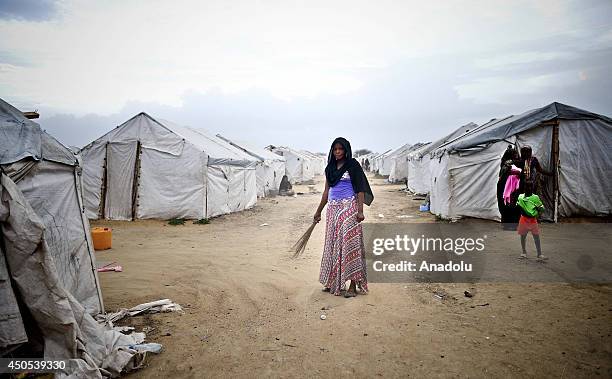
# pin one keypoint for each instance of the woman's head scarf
(358, 178)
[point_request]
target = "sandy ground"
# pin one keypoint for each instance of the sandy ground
(252, 311)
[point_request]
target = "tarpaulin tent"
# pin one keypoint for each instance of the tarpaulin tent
(393, 159)
(270, 168)
(576, 145)
(399, 168)
(152, 168)
(49, 176)
(36, 309)
(300, 167)
(419, 160)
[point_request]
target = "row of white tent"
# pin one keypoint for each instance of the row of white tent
(153, 168)
(460, 170)
(302, 166)
(49, 287)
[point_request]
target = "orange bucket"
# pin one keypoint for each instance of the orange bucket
(102, 238)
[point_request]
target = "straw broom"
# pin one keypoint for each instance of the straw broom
(299, 247)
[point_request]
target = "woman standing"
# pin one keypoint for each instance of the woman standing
(509, 212)
(346, 190)
(531, 170)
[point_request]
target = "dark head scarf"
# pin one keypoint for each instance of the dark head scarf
(358, 177)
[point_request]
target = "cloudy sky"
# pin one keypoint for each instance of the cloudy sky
(381, 73)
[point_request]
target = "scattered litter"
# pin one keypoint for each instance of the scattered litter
(487, 338)
(138, 337)
(440, 295)
(295, 195)
(325, 308)
(300, 193)
(381, 215)
(479, 305)
(124, 329)
(424, 207)
(164, 305)
(155, 348)
(264, 224)
(148, 329)
(467, 293)
(110, 267)
(289, 345)
(323, 317)
(405, 216)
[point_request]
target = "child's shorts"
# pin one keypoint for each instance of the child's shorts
(528, 224)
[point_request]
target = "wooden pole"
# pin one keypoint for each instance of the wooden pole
(555, 165)
(104, 188)
(135, 181)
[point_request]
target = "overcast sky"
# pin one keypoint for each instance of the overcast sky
(299, 73)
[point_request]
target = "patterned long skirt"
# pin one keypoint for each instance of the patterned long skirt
(344, 253)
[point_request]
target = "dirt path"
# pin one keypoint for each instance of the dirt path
(253, 311)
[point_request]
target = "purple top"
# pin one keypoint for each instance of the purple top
(343, 189)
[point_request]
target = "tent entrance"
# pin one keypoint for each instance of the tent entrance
(119, 199)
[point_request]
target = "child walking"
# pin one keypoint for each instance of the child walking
(530, 206)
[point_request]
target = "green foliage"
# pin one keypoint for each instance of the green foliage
(176, 221)
(202, 221)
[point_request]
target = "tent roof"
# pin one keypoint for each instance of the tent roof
(22, 138)
(400, 150)
(513, 125)
(292, 151)
(169, 137)
(214, 146)
(259, 153)
(463, 129)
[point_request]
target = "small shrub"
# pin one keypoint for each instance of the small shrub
(202, 221)
(176, 221)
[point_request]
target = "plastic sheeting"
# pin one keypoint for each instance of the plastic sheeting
(69, 332)
(50, 189)
(93, 171)
(12, 329)
(528, 120)
(172, 187)
(121, 161)
(21, 138)
(585, 168)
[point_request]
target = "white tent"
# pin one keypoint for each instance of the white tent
(319, 162)
(150, 168)
(418, 177)
(270, 169)
(399, 169)
(377, 161)
(300, 168)
(48, 175)
(574, 144)
(419, 161)
(394, 174)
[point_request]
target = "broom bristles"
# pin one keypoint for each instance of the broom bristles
(299, 247)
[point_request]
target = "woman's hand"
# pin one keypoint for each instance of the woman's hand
(317, 217)
(360, 216)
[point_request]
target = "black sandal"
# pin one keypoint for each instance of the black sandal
(326, 289)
